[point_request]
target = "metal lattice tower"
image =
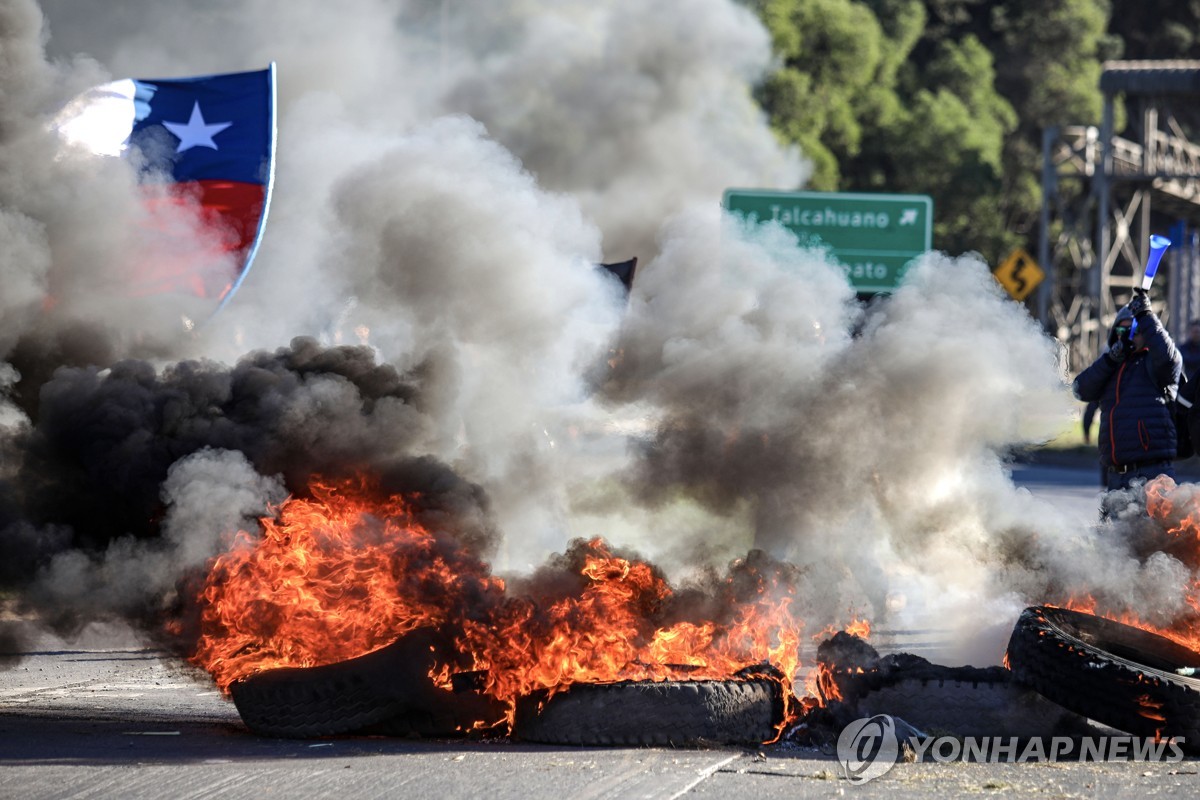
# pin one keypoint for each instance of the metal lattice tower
(1102, 197)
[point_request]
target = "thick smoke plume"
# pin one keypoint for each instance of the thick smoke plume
(426, 307)
(132, 478)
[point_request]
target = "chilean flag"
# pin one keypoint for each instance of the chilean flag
(201, 142)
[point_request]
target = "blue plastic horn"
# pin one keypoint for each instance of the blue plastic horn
(1158, 246)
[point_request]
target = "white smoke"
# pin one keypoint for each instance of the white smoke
(448, 175)
(208, 496)
(399, 221)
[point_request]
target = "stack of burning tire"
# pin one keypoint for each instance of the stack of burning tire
(745, 710)
(1116, 674)
(386, 691)
(389, 691)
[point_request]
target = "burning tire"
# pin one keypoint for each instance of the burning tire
(388, 689)
(1116, 674)
(675, 713)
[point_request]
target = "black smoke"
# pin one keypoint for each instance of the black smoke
(125, 473)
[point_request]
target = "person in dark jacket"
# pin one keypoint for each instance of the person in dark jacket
(1134, 381)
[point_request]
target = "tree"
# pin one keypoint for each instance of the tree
(941, 97)
(1050, 55)
(951, 147)
(832, 53)
(1161, 29)
(1153, 29)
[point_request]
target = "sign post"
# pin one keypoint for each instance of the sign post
(874, 236)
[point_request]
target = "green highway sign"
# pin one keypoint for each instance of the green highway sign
(874, 236)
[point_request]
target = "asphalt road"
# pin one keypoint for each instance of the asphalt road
(102, 716)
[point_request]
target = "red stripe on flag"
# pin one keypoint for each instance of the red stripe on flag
(229, 214)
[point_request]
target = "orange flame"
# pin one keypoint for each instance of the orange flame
(349, 571)
(1176, 511)
(857, 627)
(1182, 632)
(821, 684)
(1150, 708)
(333, 577)
(860, 628)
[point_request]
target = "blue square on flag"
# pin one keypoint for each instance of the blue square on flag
(217, 124)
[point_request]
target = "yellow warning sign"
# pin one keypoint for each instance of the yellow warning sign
(1019, 274)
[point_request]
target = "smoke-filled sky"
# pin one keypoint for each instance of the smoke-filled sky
(425, 304)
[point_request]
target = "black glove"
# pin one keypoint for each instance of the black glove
(1118, 351)
(1140, 304)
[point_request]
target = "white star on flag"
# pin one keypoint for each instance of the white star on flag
(195, 132)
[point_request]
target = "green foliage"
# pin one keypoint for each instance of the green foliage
(949, 97)
(951, 146)
(1053, 51)
(832, 52)
(1157, 28)
(1161, 29)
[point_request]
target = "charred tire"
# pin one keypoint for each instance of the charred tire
(443, 714)
(314, 701)
(1116, 674)
(390, 685)
(675, 713)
